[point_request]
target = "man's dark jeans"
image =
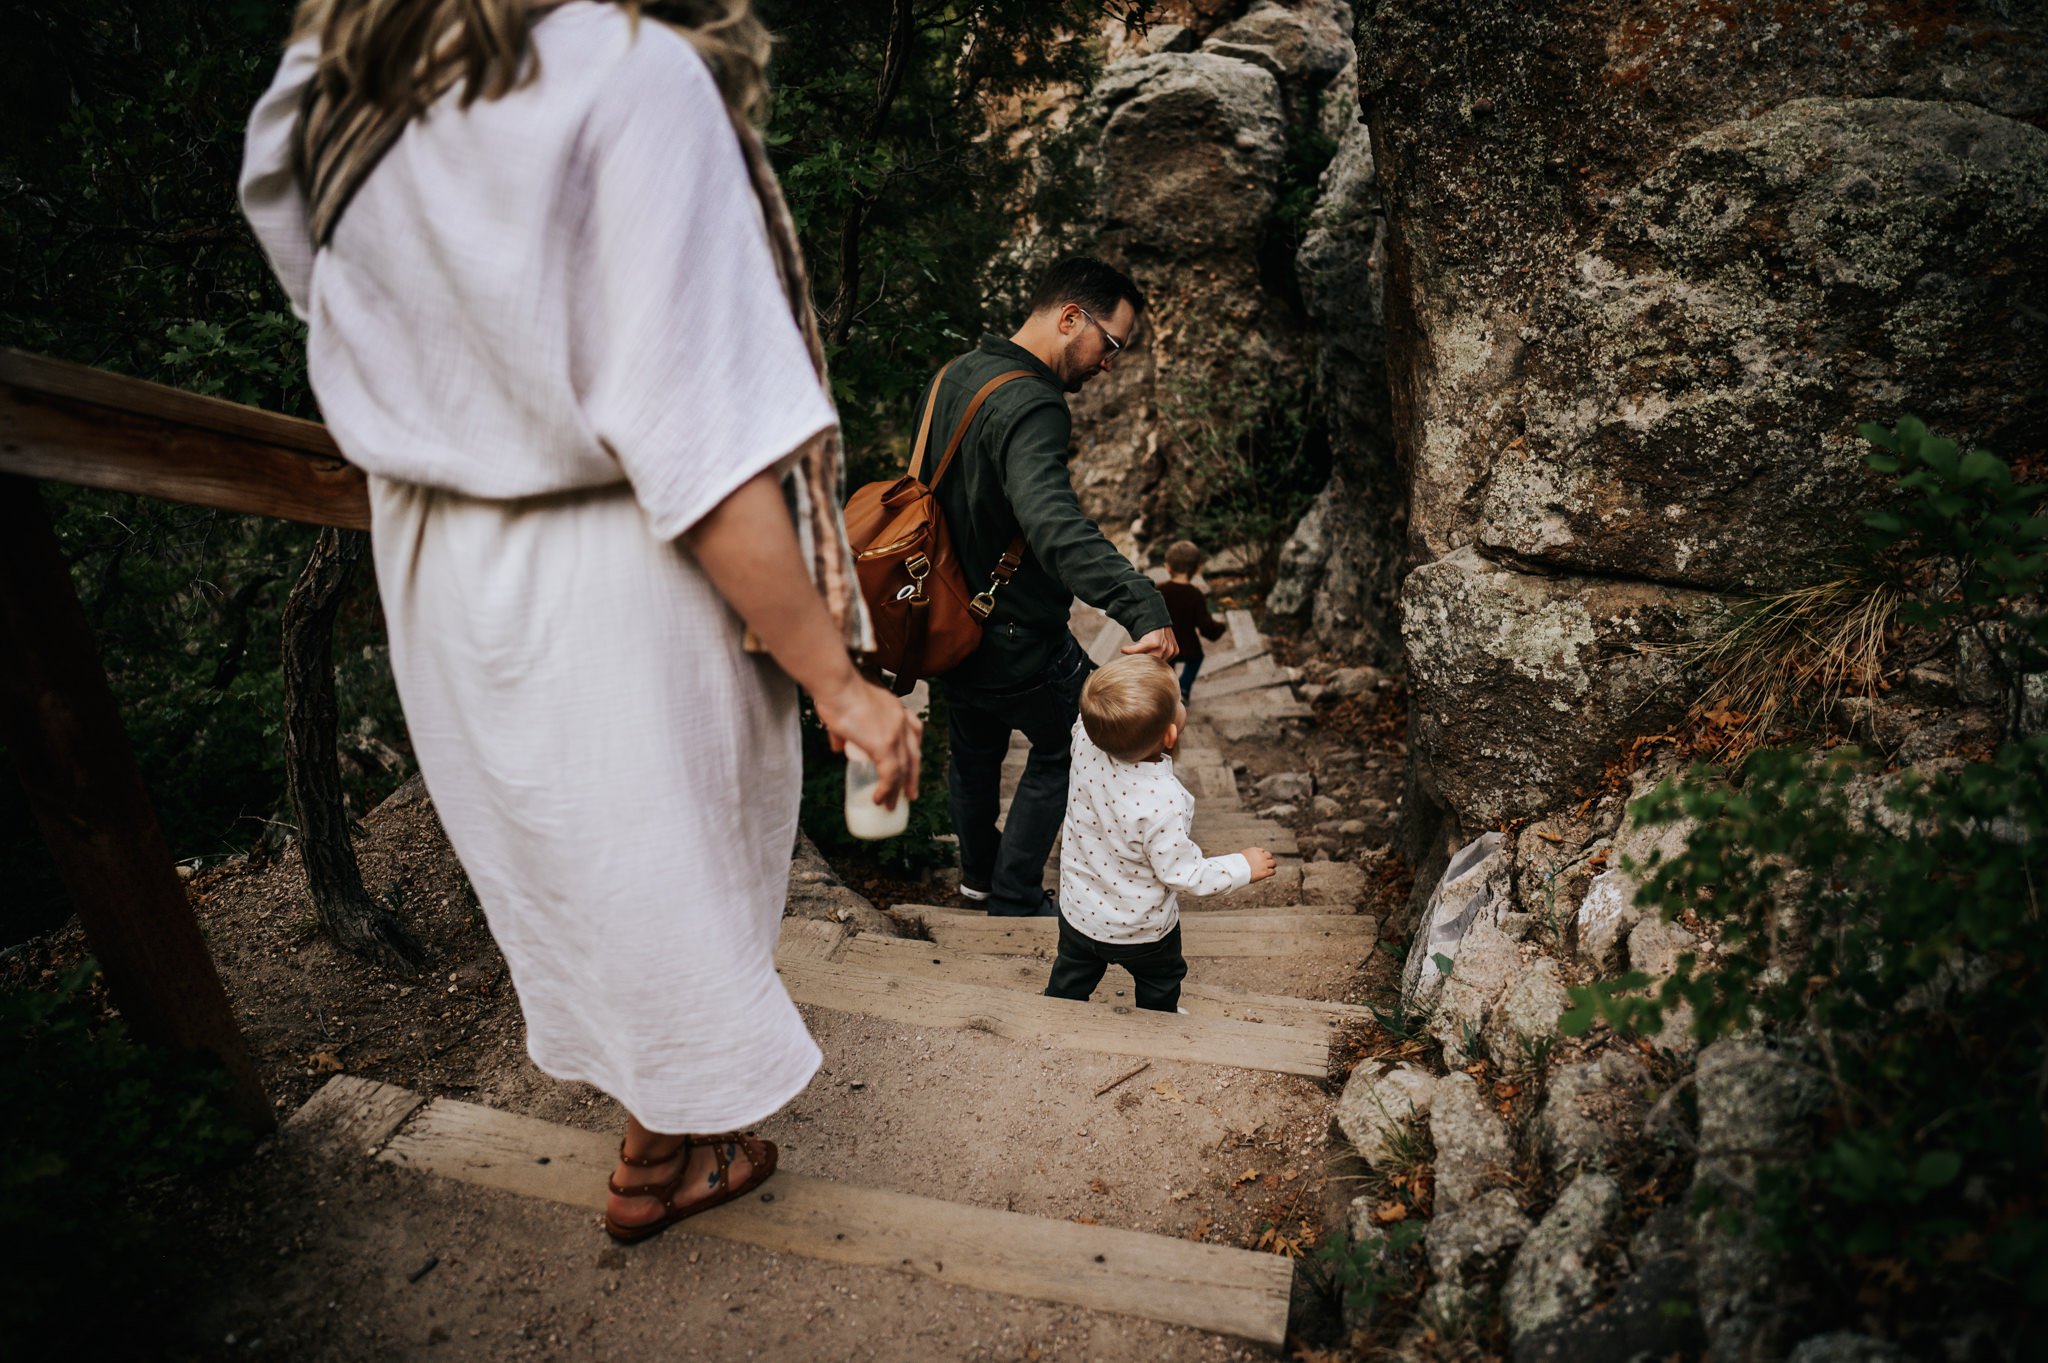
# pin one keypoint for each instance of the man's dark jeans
(979, 723)
(1157, 968)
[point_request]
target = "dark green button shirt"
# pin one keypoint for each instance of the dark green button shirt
(1012, 471)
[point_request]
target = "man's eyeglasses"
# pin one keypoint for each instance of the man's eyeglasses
(1115, 346)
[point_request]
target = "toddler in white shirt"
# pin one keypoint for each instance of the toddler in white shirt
(1125, 851)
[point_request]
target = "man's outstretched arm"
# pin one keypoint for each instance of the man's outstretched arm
(1067, 542)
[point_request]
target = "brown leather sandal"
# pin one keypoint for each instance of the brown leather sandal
(761, 1157)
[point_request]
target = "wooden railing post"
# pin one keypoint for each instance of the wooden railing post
(60, 723)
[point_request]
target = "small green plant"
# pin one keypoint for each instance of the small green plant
(1248, 452)
(1474, 1041)
(1365, 1273)
(1965, 533)
(1894, 921)
(1401, 1022)
(1533, 1053)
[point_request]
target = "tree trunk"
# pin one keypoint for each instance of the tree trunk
(356, 923)
(839, 314)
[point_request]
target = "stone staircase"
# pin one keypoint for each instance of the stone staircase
(879, 1002)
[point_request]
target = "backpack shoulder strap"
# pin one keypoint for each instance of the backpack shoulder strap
(967, 419)
(924, 427)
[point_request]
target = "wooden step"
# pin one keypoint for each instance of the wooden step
(1208, 1287)
(1227, 662)
(908, 956)
(1213, 784)
(1207, 934)
(1220, 835)
(1257, 677)
(1244, 632)
(1269, 702)
(1108, 642)
(923, 1001)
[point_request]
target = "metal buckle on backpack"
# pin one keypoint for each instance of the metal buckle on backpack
(919, 567)
(982, 605)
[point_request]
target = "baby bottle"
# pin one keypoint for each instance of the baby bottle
(865, 818)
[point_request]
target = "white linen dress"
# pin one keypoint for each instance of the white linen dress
(549, 328)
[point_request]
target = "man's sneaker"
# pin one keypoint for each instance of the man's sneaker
(972, 893)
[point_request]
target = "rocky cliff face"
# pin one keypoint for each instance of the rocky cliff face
(1236, 183)
(1648, 266)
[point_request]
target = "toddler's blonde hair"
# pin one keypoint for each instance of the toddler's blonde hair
(1184, 556)
(1127, 704)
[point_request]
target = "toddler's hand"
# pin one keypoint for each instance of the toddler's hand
(1261, 860)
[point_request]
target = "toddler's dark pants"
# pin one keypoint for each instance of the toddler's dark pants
(1157, 968)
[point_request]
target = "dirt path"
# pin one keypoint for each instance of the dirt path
(329, 1258)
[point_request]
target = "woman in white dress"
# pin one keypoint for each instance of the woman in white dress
(548, 285)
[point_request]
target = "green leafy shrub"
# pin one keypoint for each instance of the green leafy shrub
(1249, 455)
(1894, 919)
(1963, 534)
(124, 250)
(95, 1124)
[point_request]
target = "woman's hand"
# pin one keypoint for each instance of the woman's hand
(873, 720)
(748, 548)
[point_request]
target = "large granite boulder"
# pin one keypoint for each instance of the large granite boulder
(1553, 1273)
(1379, 1106)
(1757, 1110)
(1187, 171)
(1473, 1151)
(1342, 565)
(1523, 687)
(1191, 144)
(1212, 131)
(1303, 44)
(1475, 886)
(1694, 386)
(1647, 264)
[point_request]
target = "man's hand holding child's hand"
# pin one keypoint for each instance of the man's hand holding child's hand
(1261, 860)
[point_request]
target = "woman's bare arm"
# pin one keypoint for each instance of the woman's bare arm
(748, 548)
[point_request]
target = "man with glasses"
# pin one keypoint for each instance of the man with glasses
(1011, 476)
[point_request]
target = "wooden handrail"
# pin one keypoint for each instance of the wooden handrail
(68, 423)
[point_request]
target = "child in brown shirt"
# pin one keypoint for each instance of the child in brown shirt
(1190, 611)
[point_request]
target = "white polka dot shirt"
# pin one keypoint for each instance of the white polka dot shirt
(1125, 850)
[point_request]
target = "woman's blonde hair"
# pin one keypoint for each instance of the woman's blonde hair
(1127, 705)
(398, 55)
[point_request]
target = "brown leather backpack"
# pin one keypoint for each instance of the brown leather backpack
(926, 620)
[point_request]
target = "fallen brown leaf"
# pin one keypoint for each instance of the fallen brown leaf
(325, 1062)
(1392, 1212)
(1096, 1185)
